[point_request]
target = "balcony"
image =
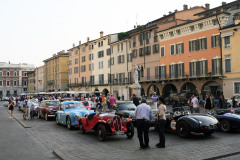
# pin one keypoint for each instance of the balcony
(169, 77)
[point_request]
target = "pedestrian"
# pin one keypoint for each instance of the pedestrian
(98, 105)
(208, 105)
(161, 122)
(155, 99)
(234, 102)
(32, 110)
(143, 116)
(190, 103)
(196, 106)
(112, 101)
(221, 103)
(11, 107)
(135, 100)
(104, 104)
(28, 107)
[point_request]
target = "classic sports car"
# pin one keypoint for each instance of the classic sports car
(126, 109)
(228, 121)
(106, 124)
(70, 112)
(47, 109)
(184, 123)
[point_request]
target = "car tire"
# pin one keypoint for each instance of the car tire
(208, 133)
(46, 117)
(183, 129)
(81, 127)
(225, 125)
(39, 116)
(69, 126)
(101, 132)
(130, 130)
(56, 118)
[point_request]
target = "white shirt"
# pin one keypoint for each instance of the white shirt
(195, 102)
(144, 111)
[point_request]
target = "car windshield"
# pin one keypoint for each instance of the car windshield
(126, 106)
(52, 103)
(86, 103)
(74, 105)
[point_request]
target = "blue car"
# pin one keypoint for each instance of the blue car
(70, 112)
(227, 121)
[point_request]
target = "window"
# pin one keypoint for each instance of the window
(15, 74)
(129, 57)
(100, 54)
(112, 61)
(215, 22)
(227, 65)
(162, 72)
(192, 69)
(120, 59)
(83, 68)
(172, 48)
(198, 44)
(109, 51)
(162, 51)
(180, 70)
(25, 74)
(83, 49)
(199, 68)
(76, 51)
(76, 60)
(192, 28)
(227, 42)
(14, 82)
(216, 66)
(70, 62)
(141, 52)
(75, 69)
(90, 56)
(25, 83)
(161, 36)
(118, 47)
(101, 79)
(8, 74)
(178, 32)
(1, 73)
(216, 41)
(172, 70)
(141, 38)
(155, 48)
(148, 50)
(179, 48)
(76, 81)
(129, 43)
(155, 36)
(148, 73)
(134, 42)
(91, 80)
(100, 64)
(236, 87)
(83, 58)
(121, 46)
(101, 43)
(148, 36)
(134, 53)
(83, 80)
(1, 83)
(171, 34)
(200, 25)
(89, 47)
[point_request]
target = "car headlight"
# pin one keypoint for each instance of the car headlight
(109, 121)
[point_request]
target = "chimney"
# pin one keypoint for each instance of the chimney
(170, 12)
(175, 10)
(73, 44)
(236, 18)
(207, 6)
(185, 7)
(224, 3)
(101, 34)
(87, 39)
(164, 15)
(80, 43)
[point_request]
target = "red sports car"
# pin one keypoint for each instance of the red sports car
(48, 108)
(106, 124)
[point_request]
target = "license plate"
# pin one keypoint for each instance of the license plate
(119, 132)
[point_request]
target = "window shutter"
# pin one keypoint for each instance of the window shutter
(190, 66)
(206, 67)
(205, 43)
(165, 73)
(160, 72)
(197, 44)
(198, 68)
(176, 48)
(212, 41)
(176, 70)
(183, 70)
(213, 66)
(156, 72)
(170, 75)
(182, 47)
(153, 49)
(123, 58)
(219, 40)
(190, 46)
(220, 65)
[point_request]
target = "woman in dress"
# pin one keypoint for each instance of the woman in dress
(10, 107)
(208, 103)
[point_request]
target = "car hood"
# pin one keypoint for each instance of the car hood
(205, 119)
(130, 112)
(78, 111)
(52, 107)
(232, 115)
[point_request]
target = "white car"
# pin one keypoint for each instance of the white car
(237, 99)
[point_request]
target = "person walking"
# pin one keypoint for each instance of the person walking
(112, 101)
(208, 105)
(104, 104)
(11, 107)
(190, 103)
(196, 106)
(143, 116)
(155, 99)
(135, 100)
(234, 102)
(221, 103)
(161, 122)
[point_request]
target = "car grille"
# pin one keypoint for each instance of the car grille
(212, 127)
(117, 123)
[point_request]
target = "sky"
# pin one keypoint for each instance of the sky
(33, 30)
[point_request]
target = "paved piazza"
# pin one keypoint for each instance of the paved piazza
(61, 143)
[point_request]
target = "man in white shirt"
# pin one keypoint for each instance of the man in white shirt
(195, 104)
(143, 115)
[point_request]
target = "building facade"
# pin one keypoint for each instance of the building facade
(31, 82)
(13, 78)
(39, 79)
(56, 72)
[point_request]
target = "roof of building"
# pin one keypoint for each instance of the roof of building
(60, 54)
(230, 26)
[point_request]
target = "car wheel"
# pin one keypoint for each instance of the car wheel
(102, 133)
(130, 130)
(81, 128)
(208, 133)
(46, 117)
(225, 125)
(183, 129)
(69, 126)
(56, 118)
(39, 116)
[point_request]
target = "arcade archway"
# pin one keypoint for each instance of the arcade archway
(168, 89)
(188, 88)
(153, 88)
(212, 87)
